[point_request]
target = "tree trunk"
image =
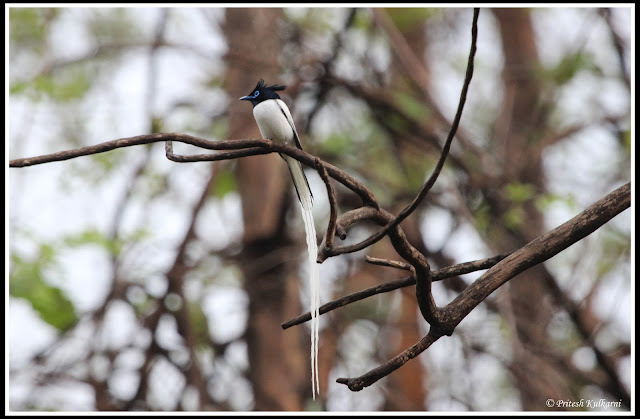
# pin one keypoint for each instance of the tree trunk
(277, 365)
(518, 133)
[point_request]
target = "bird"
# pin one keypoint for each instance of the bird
(275, 123)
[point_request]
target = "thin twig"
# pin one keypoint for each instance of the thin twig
(437, 275)
(619, 44)
(390, 263)
(533, 253)
(357, 384)
(467, 267)
(443, 156)
(327, 64)
(333, 204)
(351, 298)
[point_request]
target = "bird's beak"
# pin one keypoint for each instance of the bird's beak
(246, 98)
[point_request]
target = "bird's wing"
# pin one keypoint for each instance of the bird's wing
(287, 114)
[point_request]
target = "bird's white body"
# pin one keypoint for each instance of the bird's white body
(275, 123)
(268, 115)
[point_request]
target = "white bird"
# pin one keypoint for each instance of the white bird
(275, 123)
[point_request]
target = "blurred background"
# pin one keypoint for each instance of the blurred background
(136, 283)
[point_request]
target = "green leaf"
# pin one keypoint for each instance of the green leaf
(93, 236)
(615, 244)
(114, 24)
(337, 144)
(219, 129)
(514, 218)
(626, 140)
(27, 27)
(411, 106)
(542, 202)
(482, 219)
(408, 18)
(397, 123)
(18, 88)
(569, 67)
(361, 21)
(67, 85)
(199, 324)
(26, 281)
(225, 182)
(519, 192)
(62, 86)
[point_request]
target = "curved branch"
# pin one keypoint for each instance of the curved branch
(333, 206)
(533, 253)
(228, 155)
(365, 380)
(139, 140)
(443, 156)
(243, 147)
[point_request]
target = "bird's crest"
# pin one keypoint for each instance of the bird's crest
(275, 87)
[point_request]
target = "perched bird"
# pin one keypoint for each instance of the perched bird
(275, 123)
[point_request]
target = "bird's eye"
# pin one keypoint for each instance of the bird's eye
(256, 93)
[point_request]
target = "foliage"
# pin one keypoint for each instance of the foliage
(150, 70)
(28, 280)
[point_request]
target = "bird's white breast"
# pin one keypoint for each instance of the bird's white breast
(273, 124)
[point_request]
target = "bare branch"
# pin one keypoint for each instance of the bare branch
(333, 204)
(228, 155)
(533, 253)
(445, 151)
(619, 44)
(322, 92)
(357, 384)
(139, 140)
(352, 298)
(438, 275)
(390, 263)
(443, 321)
(246, 147)
(538, 251)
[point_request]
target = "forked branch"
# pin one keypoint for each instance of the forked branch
(442, 320)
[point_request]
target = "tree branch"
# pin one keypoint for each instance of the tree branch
(444, 320)
(533, 253)
(333, 205)
(245, 147)
(390, 263)
(438, 275)
(443, 156)
(139, 140)
(539, 250)
(365, 380)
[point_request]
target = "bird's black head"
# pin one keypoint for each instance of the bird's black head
(263, 92)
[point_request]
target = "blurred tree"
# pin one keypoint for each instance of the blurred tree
(159, 286)
(276, 366)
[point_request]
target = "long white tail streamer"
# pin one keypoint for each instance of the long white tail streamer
(306, 204)
(314, 282)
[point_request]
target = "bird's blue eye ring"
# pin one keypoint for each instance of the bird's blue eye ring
(256, 93)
